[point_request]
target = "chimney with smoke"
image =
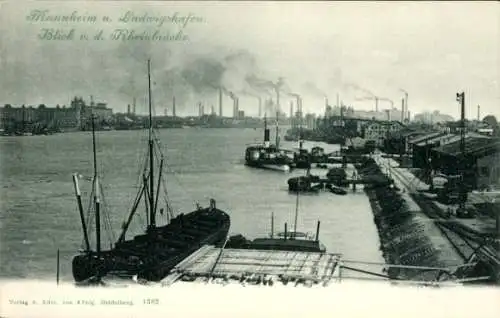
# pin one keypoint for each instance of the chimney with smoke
(409, 115)
(266, 133)
(402, 110)
(478, 113)
(376, 104)
(237, 107)
(291, 109)
(133, 106)
(260, 107)
(220, 101)
(200, 112)
(128, 109)
(235, 104)
(173, 106)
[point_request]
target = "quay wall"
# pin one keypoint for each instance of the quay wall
(403, 235)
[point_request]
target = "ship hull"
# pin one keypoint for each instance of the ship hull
(268, 158)
(269, 166)
(151, 256)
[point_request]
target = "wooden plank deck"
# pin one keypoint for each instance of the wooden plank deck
(256, 265)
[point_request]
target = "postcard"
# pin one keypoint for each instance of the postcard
(251, 158)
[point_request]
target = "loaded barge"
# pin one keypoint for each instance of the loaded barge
(151, 255)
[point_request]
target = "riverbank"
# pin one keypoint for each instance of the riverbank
(407, 236)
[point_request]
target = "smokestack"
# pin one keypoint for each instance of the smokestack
(212, 110)
(291, 109)
(173, 106)
(199, 109)
(408, 115)
(133, 103)
(402, 110)
(91, 100)
(388, 115)
(220, 101)
(338, 100)
(128, 109)
(235, 106)
(166, 110)
(478, 113)
(266, 133)
(260, 107)
(326, 106)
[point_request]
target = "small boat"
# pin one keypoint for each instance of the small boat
(285, 241)
(307, 183)
(337, 190)
(293, 241)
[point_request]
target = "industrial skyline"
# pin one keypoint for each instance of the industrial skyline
(422, 56)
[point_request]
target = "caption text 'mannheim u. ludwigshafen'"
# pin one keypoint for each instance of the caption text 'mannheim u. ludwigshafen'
(63, 27)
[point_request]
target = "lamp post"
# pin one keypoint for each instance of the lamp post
(462, 160)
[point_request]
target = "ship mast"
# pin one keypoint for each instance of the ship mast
(96, 194)
(152, 223)
(277, 116)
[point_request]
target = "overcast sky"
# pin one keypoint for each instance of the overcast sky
(432, 50)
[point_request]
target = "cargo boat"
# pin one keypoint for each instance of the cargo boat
(149, 256)
(267, 156)
(292, 241)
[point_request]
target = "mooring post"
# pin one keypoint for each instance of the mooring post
(57, 269)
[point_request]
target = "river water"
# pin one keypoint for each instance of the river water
(39, 213)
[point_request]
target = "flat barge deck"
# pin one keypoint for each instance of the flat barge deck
(256, 266)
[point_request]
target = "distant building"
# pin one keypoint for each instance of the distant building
(9, 114)
(76, 116)
(378, 131)
(310, 121)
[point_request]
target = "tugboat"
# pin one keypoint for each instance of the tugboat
(267, 156)
(302, 158)
(149, 256)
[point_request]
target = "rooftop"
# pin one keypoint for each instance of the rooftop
(473, 146)
(449, 138)
(426, 137)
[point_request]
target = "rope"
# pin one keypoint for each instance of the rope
(172, 172)
(108, 225)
